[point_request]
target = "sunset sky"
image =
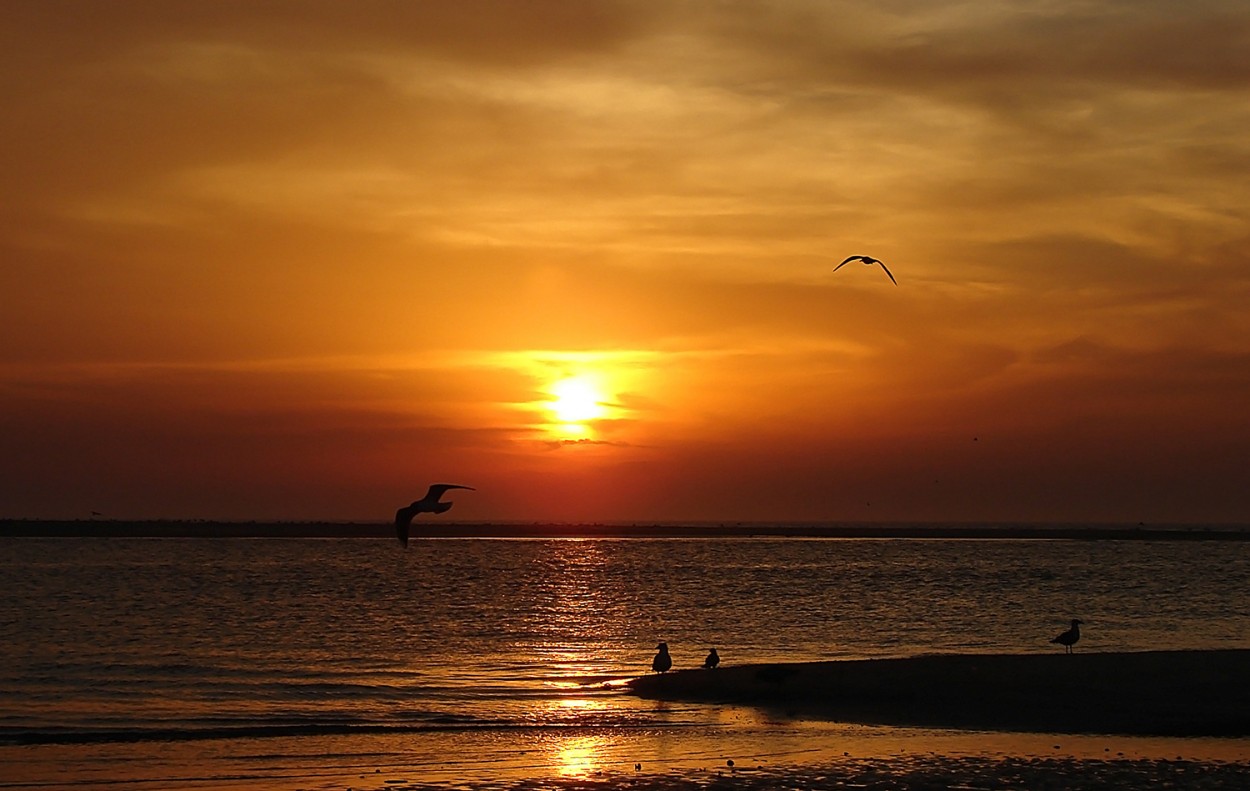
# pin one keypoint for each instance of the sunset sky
(297, 260)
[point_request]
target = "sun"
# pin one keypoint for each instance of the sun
(577, 400)
(580, 396)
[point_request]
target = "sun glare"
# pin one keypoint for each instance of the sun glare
(581, 395)
(577, 400)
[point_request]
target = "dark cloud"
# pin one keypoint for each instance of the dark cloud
(1019, 48)
(101, 97)
(584, 442)
(82, 33)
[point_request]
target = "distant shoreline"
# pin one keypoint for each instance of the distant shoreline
(109, 528)
(1152, 693)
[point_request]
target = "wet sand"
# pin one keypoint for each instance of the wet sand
(811, 758)
(1163, 693)
(767, 751)
(927, 774)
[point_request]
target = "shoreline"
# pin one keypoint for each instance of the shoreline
(191, 528)
(583, 765)
(1154, 693)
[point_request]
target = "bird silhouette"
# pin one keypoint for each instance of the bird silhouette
(430, 504)
(1069, 638)
(662, 662)
(868, 261)
(713, 659)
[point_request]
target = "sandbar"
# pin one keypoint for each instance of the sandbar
(1151, 693)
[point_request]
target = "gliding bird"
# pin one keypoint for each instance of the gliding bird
(868, 261)
(430, 504)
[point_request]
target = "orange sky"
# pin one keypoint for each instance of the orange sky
(297, 260)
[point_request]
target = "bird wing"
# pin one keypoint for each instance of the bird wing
(403, 518)
(847, 261)
(887, 271)
(404, 515)
(436, 490)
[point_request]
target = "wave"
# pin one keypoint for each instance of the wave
(36, 736)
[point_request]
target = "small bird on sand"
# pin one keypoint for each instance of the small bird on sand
(868, 261)
(662, 662)
(430, 504)
(713, 659)
(1069, 638)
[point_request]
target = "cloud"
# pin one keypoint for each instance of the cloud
(279, 228)
(584, 442)
(1043, 51)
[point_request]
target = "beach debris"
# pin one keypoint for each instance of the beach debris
(713, 659)
(868, 261)
(662, 662)
(430, 504)
(1069, 638)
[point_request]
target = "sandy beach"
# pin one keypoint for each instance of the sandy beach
(925, 723)
(804, 756)
(1162, 693)
(931, 774)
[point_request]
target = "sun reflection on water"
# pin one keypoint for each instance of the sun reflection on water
(578, 756)
(579, 707)
(565, 625)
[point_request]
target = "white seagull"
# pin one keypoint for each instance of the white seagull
(430, 504)
(868, 261)
(1069, 638)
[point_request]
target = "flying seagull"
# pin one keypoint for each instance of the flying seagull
(430, 504)
(1069, 638)
(868, 261)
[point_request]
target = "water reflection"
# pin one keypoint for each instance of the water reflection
(578, 708)
(569, 608)
(527, 633)
(578, 756)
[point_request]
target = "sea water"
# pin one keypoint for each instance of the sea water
(455, 651)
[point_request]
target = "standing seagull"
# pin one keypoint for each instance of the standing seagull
(868, 261)
(713, 659)
(662, 661)
(429, 504)
(1069, 638)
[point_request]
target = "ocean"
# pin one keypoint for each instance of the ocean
(334, 663)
